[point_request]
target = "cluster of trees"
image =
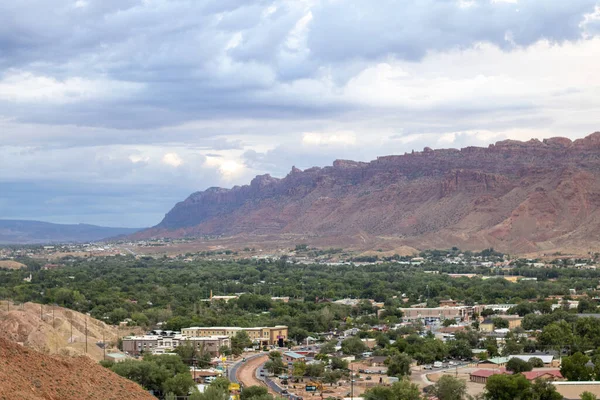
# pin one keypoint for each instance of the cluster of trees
(161, 374)
(162, 290)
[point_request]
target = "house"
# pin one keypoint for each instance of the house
(486, 326)
(493, 363)
(482, 375)
(547, 375)
(377, 361)
(116, 357)
(292, 357)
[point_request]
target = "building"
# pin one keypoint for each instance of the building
(116, 357)
(547, 359)
(438, 314)
(264, 336)
(292, 357)
(502, 308)
(573, 390)
(547, 375)
(486, 326)
(448, 303)
(223, 298)
(199, 375)
(377, 361)
(482, 375)
(493, 363)
(284, 299)
(156, 344)
(514, 321)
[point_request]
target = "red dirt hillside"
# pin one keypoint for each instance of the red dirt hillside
(26, 374)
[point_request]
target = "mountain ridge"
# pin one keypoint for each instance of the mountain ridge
(14, 231)
(515, 196)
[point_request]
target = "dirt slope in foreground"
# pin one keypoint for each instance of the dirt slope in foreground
(26, 374)
(48, 329)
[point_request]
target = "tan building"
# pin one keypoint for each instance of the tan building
(486, 326)
(156, 344)
(460, 313)
(514, 321)
(276, 335)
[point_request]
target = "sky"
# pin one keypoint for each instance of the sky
(111, 111)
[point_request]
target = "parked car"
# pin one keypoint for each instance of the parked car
(427, 366)
(438, 364)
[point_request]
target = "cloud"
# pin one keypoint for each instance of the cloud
(329, 139)
(172, 159)
(177, 96)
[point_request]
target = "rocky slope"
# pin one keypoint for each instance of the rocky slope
(56, 330)
(29, 375)
(515, 196)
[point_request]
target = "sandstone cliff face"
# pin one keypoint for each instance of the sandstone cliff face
(515, 196)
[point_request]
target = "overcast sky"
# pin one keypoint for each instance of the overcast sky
(111, 111)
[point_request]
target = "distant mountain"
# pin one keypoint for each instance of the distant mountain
(33, 232)
(517, 197)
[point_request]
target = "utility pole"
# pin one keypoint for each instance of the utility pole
(71, 328)
(42, 312)
(53, 306)
(103, 347)
(86, 335)
(351, 382)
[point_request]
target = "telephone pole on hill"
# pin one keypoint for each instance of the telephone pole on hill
(86, 334)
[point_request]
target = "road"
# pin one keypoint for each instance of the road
(245, 372)
(232, 375)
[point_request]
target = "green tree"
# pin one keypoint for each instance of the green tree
(499, 323)
(574, 368)
(315, 370)
(239, 342)
(402, 390)
(517, 365)
(450, 388)
(299, 369)
(544, 390)
(253, 391)
(511, 347)
(507, 387)
(399, 365)
(556, 335)
(588, 396)
(332, 377)
(353, 345)
(536, 362)
(187, 351)
(328, 347)
(275, 366)
(180, 384)
(460, 349)
(338, 363)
